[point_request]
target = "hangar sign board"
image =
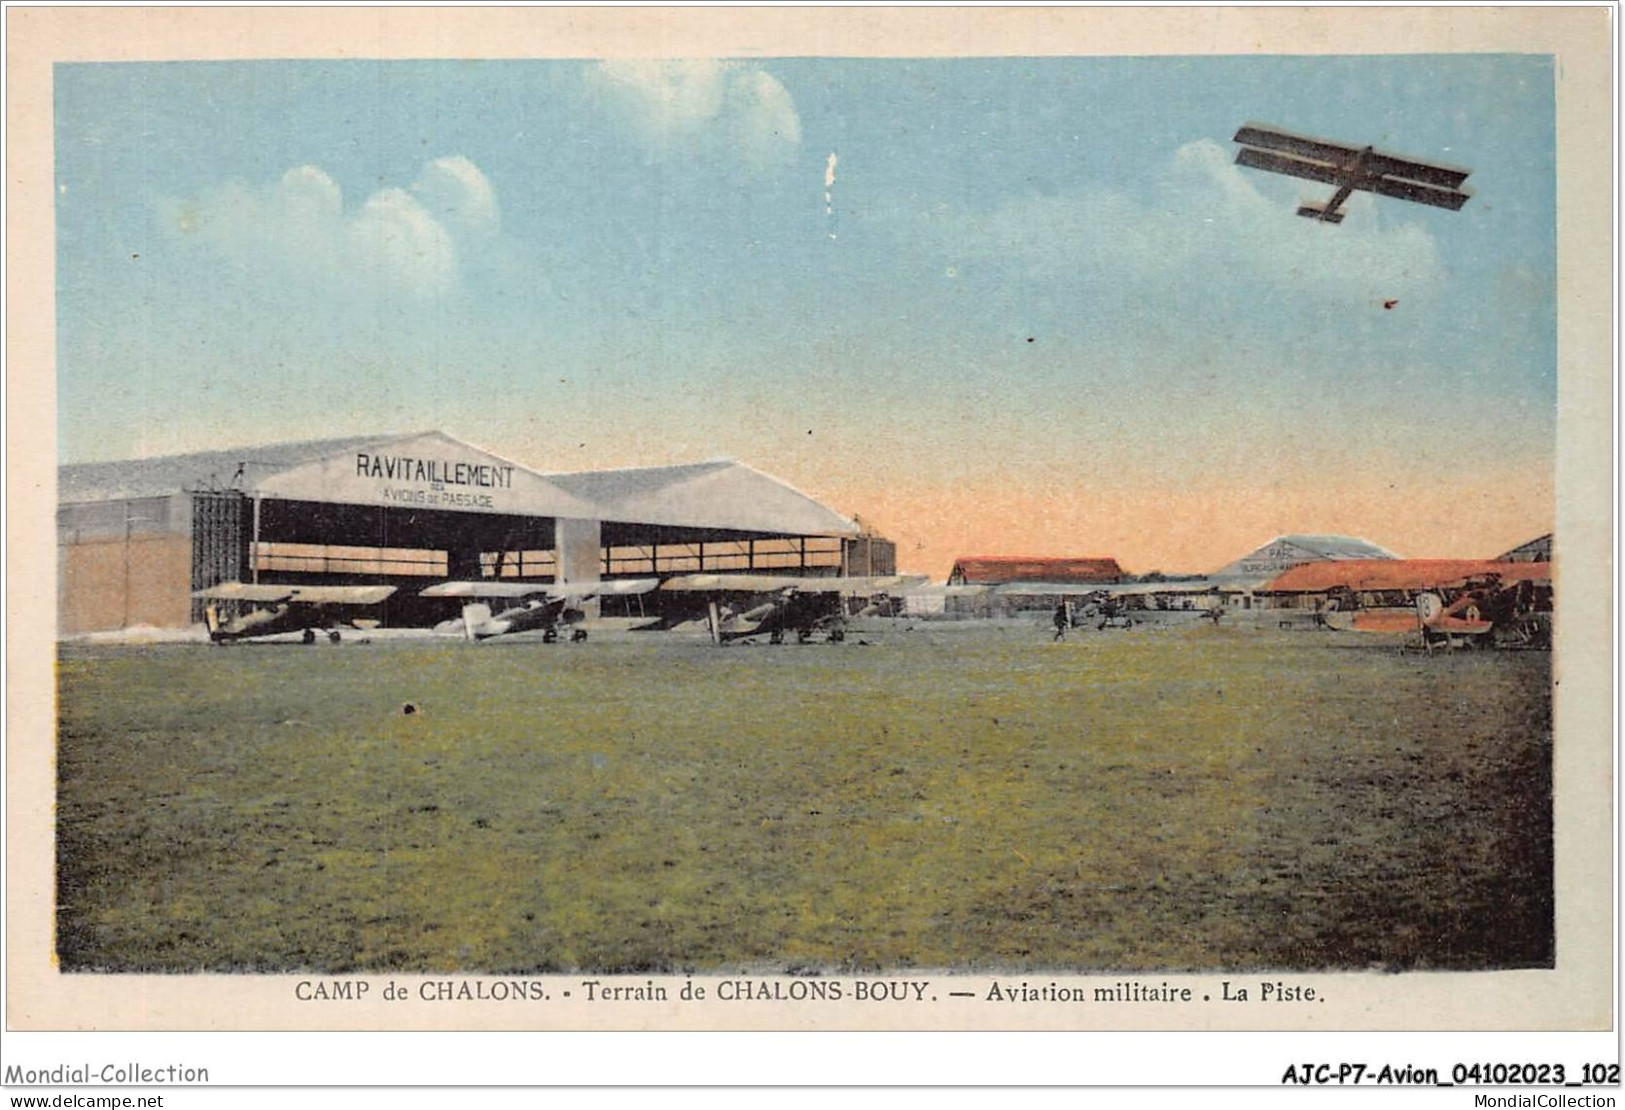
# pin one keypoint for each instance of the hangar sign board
(1272, 558)
(432, 471)
(421, 480)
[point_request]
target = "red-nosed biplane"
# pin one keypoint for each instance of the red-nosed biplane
(1488, 610)
(1449, 602)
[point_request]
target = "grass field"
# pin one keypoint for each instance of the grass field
(963, 797)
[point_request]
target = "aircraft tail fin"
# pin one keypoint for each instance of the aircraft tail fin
(474, 616)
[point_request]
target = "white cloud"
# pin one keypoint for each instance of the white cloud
(396, 239)
(398, 242)
(667, 97)
(458, 195)
(672, 104)
(309, 194)
(1208, 220)
(762, 117)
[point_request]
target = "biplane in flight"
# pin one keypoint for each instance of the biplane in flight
(282, 608)
(1349, 168)
(531, 605)
(740, 606)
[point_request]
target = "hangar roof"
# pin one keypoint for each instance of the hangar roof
(1537, 550)
(720, 493)
(167, 474)
(379, 469)
(1286, 551)
(1338, 547)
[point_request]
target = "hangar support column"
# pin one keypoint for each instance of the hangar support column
(463, 562)
(578, 549)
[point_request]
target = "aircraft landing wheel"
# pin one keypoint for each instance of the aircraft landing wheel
(551, 636)
(837, 636)
(775, 637)
(579, 636)
(309, 636)
(333, 636)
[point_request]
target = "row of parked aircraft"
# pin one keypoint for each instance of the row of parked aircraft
(1509, 607)
(1510, 604)
(735, 606)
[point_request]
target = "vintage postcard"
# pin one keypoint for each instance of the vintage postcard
(818, 519)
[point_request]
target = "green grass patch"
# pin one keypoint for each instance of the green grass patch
(946, 798)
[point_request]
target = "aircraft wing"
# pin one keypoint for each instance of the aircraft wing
(277, 593)
(1401, 189)
(1427, 173)
(1503, 575)
(732, 583)
(1302, 146)
(774, 583)
(948, 591)
(1289, 164)
(493, 588)
(1059, 589)
(496, 588)
(1445, 622)
(1268, 138)
(861, 586)
(617, 587)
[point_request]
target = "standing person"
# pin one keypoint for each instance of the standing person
(1062, 621)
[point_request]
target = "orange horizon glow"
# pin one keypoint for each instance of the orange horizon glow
(1199, 531)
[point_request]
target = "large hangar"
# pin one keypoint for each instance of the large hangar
(1284, 552)
(137, 537)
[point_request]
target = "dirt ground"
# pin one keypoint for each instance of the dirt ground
(953, 797)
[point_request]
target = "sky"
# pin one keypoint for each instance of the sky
(988, 306)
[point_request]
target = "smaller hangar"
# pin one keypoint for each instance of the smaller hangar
(999, 585)
(999, 570)
(137, 537)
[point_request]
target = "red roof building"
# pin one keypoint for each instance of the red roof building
(998, 570)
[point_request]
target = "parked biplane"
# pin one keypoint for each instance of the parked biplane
(1488, 611)
(1158, 604)
(282, 608)
(741, 606)
(531, 606)
(1449, 602)
(1349, 168)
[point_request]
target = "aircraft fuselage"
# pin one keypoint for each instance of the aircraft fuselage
(539, 614)
(271, 621)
